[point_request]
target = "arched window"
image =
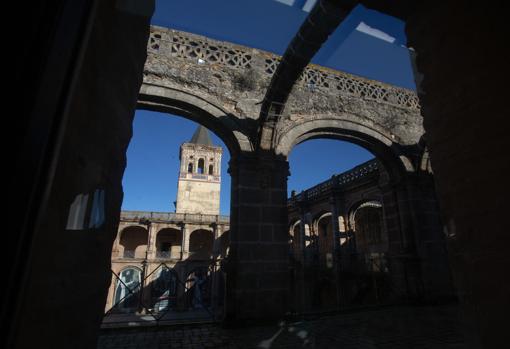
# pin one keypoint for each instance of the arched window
(201, 166)
(127, 288)
(211, 169)
(190, 167)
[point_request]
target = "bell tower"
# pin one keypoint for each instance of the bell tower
(198, 188)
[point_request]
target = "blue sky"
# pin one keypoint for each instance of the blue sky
(367, 44)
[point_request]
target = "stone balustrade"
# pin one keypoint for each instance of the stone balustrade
(205, 51)
(172, 217)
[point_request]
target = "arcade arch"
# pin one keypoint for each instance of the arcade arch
(133, 242)
(168, 243)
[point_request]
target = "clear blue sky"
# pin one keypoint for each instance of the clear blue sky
(150, 179)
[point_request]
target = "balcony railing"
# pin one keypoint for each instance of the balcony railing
(337, 181)
(128, 254)
(202, 50)
(174, 217)
(168, 255)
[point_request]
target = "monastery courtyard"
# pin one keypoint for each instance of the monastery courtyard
(431, 327)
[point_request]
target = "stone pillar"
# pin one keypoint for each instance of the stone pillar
(299, 286)
(185, 241)
(152, 248)
(116, 242)
(258, 263)
(217, 228)
(401, 256)
(338, 266)
(302, 233)
(430, 243)
(417, 248)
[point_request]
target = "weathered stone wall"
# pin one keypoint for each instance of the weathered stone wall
(234, 78)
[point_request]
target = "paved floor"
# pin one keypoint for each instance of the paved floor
(169, 318)
(396, 328)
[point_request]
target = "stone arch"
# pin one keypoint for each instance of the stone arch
(366, 221)
(319, 216)
(133, 241)
(324, 228)
(295, 223)
(379, 142)
(201, 244)
(294, 236)
(354, 207)
(168, 243)
(425, 165)
(170, 100)
(224, 243)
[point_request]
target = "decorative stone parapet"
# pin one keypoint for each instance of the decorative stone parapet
(202, 50)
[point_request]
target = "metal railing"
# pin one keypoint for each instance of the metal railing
(168, 255)
(156, 299)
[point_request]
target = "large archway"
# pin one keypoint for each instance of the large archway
(201, 244)
(133, 242)
(169, 244)
(352, 258)
(176, 102)
(64, 126)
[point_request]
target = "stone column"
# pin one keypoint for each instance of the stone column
(258, 263)
(429, 240)
(336, 250)
(300, 262)
(116, 242)
(185, 241)
(217, 228)
(417, 253)
(401, 256)
(302, 232)
(152, 248)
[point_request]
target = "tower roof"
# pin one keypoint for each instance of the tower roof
(201, 136)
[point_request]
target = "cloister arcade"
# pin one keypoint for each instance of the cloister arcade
(162, 253)
(93, 63)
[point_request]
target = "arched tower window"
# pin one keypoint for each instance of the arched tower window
(201, 166)
(211, 169)
(190, 167)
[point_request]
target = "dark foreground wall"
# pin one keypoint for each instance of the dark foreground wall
(68, 258)
(464, 103)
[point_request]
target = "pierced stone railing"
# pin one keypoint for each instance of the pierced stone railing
(337, 181)
(142, 216)
(202, 50)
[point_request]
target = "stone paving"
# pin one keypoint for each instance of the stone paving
(396, 328)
